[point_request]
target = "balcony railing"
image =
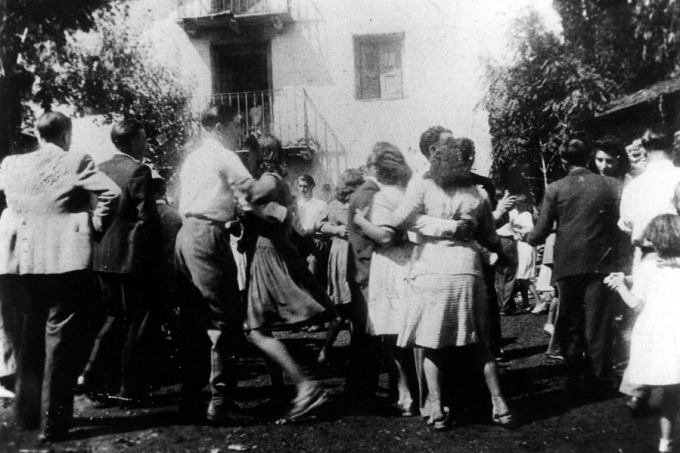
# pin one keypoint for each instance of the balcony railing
(293, 118)
(294, 9)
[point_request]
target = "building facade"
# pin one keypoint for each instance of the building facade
(331, 78)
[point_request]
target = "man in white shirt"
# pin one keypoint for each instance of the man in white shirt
(209, 287)
(651, 193)
(311, 213)
(648, 195)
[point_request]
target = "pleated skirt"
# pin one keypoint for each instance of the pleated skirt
(445, 310)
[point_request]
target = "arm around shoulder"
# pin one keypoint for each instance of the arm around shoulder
(107, 192)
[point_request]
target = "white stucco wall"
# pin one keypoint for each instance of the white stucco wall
(441, 73)
(444, 44)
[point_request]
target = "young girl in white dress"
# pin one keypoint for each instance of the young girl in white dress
(655, 340)
(521, 223)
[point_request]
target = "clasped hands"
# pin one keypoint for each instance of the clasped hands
(461, 229)
(615, 281)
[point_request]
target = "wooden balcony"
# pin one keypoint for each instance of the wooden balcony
(292, 117)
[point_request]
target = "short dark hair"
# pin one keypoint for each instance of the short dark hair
(53, 125)
(308, 179)
(124, 132)
(657, 138)
(430, 137)
(218, 114)
(663, 231)
(348, 182)
(390, 164)
(159, 186)
(575, 152)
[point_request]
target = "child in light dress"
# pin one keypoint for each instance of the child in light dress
(655, 340)
(522, 222)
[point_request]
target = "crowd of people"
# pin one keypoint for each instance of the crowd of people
(416, 265)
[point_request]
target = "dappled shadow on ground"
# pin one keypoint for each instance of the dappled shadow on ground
(534, 387)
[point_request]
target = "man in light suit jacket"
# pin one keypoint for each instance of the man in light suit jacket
(124, 257)
(46, 249)
(585, 207)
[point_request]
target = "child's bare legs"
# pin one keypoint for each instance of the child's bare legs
(670, 405)
(534, 292)
(334, 326)
(552, 314)
(522, 288)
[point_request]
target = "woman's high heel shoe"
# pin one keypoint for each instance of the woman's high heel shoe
(502, 415)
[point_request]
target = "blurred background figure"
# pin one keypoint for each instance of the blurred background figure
(521, 223)
(311, 213)
(338, 281)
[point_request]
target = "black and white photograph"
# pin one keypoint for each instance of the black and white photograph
(339, 226)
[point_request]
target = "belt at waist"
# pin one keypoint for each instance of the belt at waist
(200, 218)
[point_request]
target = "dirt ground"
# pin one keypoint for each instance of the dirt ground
(550, 423)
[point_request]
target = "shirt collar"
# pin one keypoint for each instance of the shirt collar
(52, 146)
(661, 163)
(120, 153)
(576, 170)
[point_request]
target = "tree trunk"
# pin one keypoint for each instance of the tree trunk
(10, 98)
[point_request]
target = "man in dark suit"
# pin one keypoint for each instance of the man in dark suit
(123, 258)
(585, 207)
(361, 381)
(46, 253)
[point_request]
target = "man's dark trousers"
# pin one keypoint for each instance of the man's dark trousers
(585, 333)
(121, 349)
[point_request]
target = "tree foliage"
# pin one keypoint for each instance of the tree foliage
(115, 73)
(27, 27)
(554, 83)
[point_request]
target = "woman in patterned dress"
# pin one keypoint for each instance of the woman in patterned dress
(446, 275)
(281, 292)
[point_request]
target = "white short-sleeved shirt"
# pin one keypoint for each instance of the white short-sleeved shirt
(207, 181)
(311, 212)
(647, 196)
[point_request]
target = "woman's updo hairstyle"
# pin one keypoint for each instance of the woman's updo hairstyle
(390, 164)
(451, 163)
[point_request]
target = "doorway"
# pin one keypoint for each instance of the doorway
(242, 67)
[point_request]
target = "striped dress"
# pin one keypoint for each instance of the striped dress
(447, 305)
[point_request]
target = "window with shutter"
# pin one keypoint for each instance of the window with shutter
(378, 66)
